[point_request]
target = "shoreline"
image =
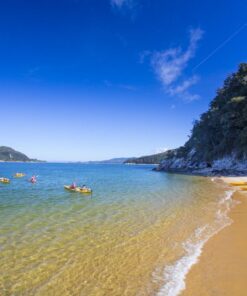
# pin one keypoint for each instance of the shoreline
(207, 172)
(221, 266)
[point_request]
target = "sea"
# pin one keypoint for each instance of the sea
(138, 233)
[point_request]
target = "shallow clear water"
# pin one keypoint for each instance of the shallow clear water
(137, 234)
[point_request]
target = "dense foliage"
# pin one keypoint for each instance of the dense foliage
(149, 159)
(221, 131)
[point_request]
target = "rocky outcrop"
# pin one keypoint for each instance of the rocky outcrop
(228, 165)
(218, 142)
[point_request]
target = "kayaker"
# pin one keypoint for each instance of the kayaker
(33, 179)
(73, 186)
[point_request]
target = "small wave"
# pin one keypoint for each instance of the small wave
(175, 274)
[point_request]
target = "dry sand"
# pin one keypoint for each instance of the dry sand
(222, 267)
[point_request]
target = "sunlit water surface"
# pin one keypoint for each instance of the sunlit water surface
(138, 233)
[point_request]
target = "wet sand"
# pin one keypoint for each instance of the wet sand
(222, 267)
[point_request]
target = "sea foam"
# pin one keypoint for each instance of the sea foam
(174, 275)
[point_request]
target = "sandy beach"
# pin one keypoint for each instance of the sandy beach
(222, 267)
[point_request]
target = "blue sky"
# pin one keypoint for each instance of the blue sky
(95, 79)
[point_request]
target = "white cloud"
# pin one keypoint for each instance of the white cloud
(182, 89)
(170, 64)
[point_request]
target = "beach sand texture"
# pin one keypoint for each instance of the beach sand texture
(222, 267)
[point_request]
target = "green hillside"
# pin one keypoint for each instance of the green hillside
(149, 159)
(218, 139)
(9, 154)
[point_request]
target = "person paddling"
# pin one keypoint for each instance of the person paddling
(73, 186)
(33, 179)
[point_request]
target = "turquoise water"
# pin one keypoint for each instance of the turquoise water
(124, 239)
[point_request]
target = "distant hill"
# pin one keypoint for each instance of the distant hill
(119, 160)
(148, 159)
(9, 154)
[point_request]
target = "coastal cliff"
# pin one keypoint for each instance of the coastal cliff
(218, 141)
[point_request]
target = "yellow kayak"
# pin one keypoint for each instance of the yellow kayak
(19, 175)
(240, 183)
(4, 180)
(244, 188)
(78, 189)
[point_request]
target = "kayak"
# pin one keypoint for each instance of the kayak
(19, 175)
(240, 183)
(243, 188)
(4, 180)
(78, 189)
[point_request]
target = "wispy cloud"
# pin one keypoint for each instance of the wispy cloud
(129, 8)
(122, 3)
(118, 3)
(182, 89)
(143, 55)
(169, 66)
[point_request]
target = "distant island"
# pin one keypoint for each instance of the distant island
(9, 154)
(218, 142)
(119, 160)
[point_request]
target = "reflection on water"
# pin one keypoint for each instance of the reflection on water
(117, 242)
